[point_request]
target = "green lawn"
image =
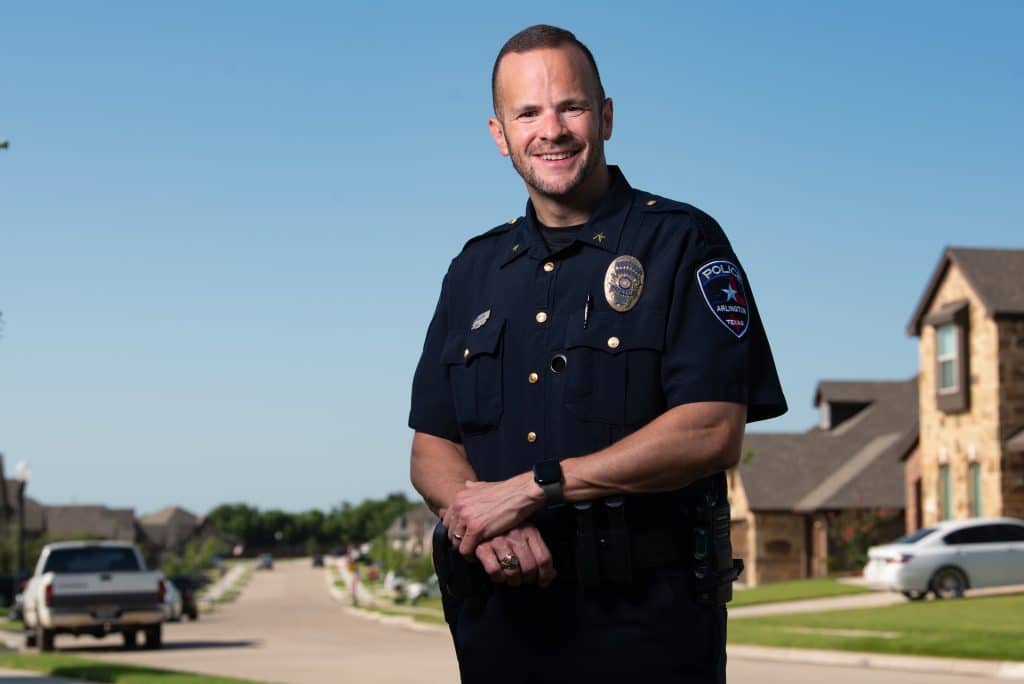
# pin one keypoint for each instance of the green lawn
(818, 587)
(430, 618)
(988, 627)
(12, 625)
(59, 665)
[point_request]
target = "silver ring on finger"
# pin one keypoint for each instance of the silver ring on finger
(509, 562)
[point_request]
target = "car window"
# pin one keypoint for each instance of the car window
(915, 537)
(969, 535)
(1007, 533)
(91, 559)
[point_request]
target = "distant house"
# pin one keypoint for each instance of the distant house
(970, 326)
(412, 531)
(90, 522)
(170, 527)
(796, 498)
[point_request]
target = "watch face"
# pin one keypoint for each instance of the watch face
(547, 472)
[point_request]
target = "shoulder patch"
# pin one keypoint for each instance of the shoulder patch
(721, 284)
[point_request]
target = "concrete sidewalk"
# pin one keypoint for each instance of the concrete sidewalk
(876, 661)
(23, 677)
(851, 602)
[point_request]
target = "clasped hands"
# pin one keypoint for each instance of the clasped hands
(487, 521)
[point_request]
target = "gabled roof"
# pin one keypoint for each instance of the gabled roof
(170, 526)
(69, 522)
(994, 274)
(856, 465)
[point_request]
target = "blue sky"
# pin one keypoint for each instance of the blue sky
(223, 226)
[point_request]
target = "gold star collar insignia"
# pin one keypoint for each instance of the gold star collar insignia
(599, 237)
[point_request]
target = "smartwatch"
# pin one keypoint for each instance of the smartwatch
(548, 474)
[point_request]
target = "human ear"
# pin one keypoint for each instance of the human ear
(498, 133)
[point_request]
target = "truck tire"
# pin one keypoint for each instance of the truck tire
(154, 636)
(131, 638)
(44, 639)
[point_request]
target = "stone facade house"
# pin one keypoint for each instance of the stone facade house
(799, 501)
(970, 326)
(412, 531)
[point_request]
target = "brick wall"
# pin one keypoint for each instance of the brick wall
(1011, 412)
(958, 439)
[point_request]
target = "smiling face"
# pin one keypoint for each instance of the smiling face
(552, 123)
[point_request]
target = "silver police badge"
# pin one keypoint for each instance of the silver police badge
(623, 282)
(479, 321)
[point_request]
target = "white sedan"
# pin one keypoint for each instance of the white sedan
(950, 557)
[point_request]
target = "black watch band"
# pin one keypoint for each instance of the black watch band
(548, 475)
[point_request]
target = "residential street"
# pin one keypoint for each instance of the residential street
(285, 627)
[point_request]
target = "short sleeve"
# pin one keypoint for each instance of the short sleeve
(432, 410)
(716, 348)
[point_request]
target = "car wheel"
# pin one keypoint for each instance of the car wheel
(915, 595)
(131, 638)
(154, 636)
(949, 583)
(30, 640)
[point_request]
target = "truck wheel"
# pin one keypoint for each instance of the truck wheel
(154, 636)
(131, 638)
(44, 639)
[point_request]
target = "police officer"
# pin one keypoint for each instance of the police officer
(585, 381)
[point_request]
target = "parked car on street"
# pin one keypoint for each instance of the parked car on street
(187, 587)
(950, 557)
(172, 602)
(265, 562)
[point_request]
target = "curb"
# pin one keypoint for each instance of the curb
(406, 622)
(978, 668)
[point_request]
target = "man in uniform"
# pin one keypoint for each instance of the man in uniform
(584, 383)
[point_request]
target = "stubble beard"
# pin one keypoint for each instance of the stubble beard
(521, 163)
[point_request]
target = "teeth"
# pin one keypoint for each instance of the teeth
(557, 157)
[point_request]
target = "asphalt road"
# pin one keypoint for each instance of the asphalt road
(285, 627)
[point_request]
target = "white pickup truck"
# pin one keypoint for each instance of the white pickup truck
(93, 587)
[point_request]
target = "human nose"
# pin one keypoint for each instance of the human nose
(552, 126)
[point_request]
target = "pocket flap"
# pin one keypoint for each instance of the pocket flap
(464, 346)
(614, 332)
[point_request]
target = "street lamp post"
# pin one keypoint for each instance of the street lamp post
(21, 472)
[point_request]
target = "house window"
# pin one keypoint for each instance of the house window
(952, 356)
(945, 504)
(976, 506)
(947, 358)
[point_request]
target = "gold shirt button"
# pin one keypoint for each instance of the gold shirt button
(531, 437)
(651, 203)
(613, 342)
(465, 354)
(533, 378)
(541, 316)
(549, 266)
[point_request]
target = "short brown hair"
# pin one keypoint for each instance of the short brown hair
(538, 37)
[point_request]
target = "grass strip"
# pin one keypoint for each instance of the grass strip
(58, 665)
(797, 590)
(12, 626)
(990, 628)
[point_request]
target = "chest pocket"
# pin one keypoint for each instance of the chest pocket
(613, 367)
(473, 359)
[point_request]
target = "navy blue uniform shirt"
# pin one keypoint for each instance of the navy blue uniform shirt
(511, 369)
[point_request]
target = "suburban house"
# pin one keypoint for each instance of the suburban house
(90, 522)
(170, 527)
(412, 531)
(801, 502)
(970, 323)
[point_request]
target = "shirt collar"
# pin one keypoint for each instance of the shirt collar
(603, 230)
